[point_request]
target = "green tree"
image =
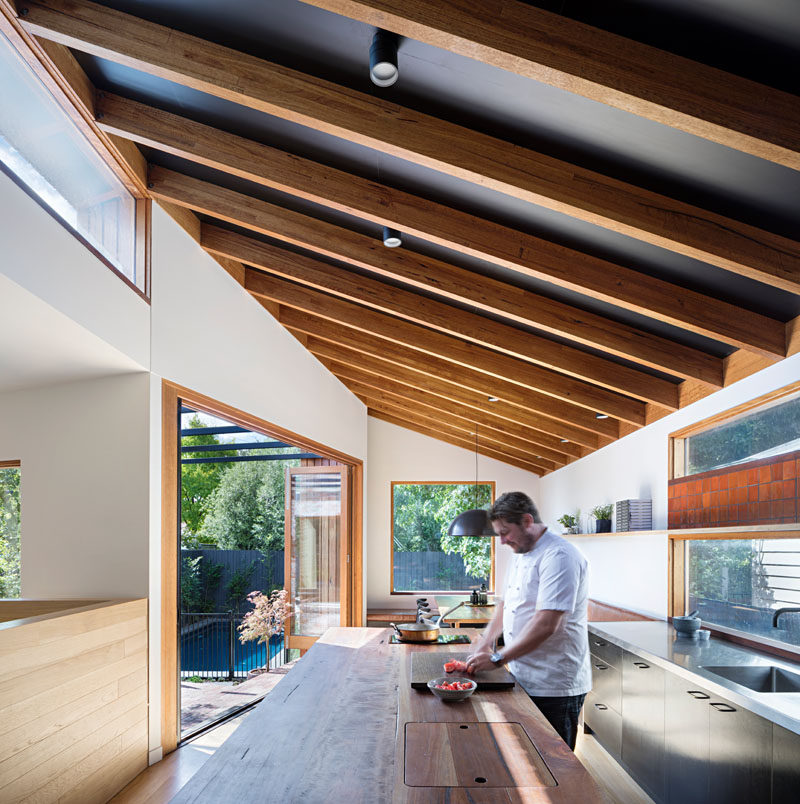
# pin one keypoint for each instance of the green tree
(476, 552)
(9, 532)
(198, 481)
(246, 510)
(199, 581)
(741, 438)
(422, 515)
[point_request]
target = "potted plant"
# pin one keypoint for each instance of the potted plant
(569, 522)
(602, 513)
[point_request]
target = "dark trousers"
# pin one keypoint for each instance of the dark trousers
(562, 714)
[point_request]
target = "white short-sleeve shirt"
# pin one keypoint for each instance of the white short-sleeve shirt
(553, 574)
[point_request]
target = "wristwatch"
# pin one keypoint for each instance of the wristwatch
(496, 658)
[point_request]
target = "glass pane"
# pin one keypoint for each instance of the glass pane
(772, 430)
(40, 145)
(740, 584)
(316, 521)
(425, 558)
(9, 532)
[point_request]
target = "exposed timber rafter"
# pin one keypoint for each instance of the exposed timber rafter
(599, 65)
(446, 346)
(440, 316)
(542, 412)
(516, 420)
(457, 230)
(504, 431)
(396, 405)
(369, 121)
(434, 428)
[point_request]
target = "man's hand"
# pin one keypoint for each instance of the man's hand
(480, 661)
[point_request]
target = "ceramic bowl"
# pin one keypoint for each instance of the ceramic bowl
(451, 695)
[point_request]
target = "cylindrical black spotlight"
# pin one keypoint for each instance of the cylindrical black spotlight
(383, 58)
(391, 238)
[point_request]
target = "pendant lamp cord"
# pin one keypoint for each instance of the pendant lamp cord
(476, 465)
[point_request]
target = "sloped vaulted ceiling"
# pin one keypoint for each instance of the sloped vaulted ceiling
(599, 202)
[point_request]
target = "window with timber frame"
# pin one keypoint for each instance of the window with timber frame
(424, 557)
(45, 153)
(733, 519)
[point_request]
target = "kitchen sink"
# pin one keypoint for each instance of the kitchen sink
(760, 678)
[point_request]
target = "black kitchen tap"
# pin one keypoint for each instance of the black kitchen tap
(782, 611)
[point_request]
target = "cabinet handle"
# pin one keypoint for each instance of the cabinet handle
(601, 706)
(601, 666)
(600, 643)
(722, 707)
(697, 694)
(641, 665)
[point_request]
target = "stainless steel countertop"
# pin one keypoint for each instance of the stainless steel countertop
(657, 642)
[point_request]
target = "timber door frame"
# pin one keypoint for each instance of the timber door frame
(171, 395)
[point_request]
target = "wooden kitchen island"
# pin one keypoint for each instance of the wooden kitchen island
(345, 726)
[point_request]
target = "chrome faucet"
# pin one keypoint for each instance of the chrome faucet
(778, 614)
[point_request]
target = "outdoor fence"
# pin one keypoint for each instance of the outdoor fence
(210, 647)
(240, 572)
(425, 570)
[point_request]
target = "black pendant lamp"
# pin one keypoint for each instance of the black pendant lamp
(474, 522)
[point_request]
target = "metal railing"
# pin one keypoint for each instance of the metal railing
(210, 647)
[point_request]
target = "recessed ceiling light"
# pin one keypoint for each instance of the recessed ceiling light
(383, 71)
(392, 238)
(493, 398)
(601, 415)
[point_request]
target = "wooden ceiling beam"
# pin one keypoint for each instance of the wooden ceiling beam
(432, 143)
(602, 66)
(435, 314)
(501, 430)
(346, 344)
(432, 429)
(462, 285)
(542, 412)
(384, 205)
(446, 346)
(441, 419)
(357, 365)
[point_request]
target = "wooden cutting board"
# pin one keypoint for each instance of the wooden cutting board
(428, 665)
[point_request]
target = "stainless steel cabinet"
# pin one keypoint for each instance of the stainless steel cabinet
(605, 723)
(785, 766)
(682, 743)
(643, 688)
(739, 754)
(602, 712)
(686, 737)
(607, 684)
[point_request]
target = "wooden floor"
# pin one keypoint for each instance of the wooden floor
(160, 782)
(616, 785)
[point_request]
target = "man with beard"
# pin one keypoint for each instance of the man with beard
(542, 616)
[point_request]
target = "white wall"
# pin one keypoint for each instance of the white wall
(631, 571)
(399, 454)
(40, 255)
(84, 489)
(212, 337)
